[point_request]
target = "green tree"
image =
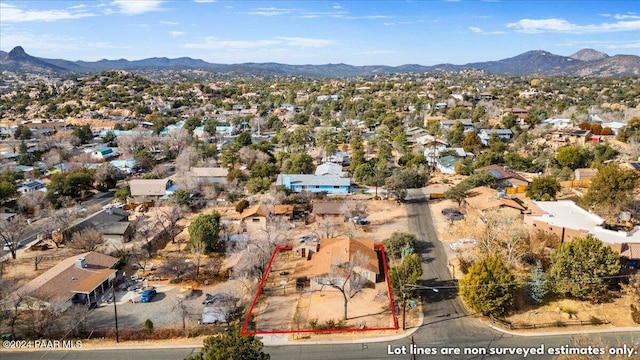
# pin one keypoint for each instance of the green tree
(543, 188)
(456, 193)
(456, 136)
(22, 132)
(83, 133)
(181, 197)
(231, 345)
(107, 176)
(408, 272)
(123, 193)
(191, 123)
(471, 142)
(258, 185)
(399, 240)
(489, 287)
(299, 163)
(537, 285)
(573, 157)
(582, 268)
(612, 186)
(7, 190)
(398, 183)
(205, 229)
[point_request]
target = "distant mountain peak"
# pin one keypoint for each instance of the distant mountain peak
(17, 53)
(589, 55)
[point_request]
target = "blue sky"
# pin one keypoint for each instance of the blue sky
(426, 32)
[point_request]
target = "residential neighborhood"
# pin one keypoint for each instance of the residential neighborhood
(305, 206)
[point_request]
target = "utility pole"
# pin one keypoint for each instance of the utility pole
(115, 308)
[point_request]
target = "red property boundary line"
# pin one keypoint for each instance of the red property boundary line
(278, 249)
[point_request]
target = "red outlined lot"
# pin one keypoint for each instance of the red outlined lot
(279, 249)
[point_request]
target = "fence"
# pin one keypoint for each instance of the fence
(575, 183)
(559, 323)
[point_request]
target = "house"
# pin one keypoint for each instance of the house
(254, 218)
(329, 169)
(31, 186)
(334, 252)
(430, 141)
(506, 177)
(125, 166)
(327, 97)
(615, 126)
(503, 134)
(629, 256)
(483, 198)
(306, 249)
(341, 157)
(210, 175)
(448, 124)
(324, 210)
(521, 114)
(575, 136)
(446, 164)
(80, 279)
(584, 174)
(633, 165)
(103, 154)
(143, 190)
(111, 222)
(567, 220)
(558, 123)
(313, 183)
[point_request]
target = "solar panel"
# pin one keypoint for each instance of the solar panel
(497, 174)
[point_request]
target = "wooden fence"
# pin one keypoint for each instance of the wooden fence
(559, 323)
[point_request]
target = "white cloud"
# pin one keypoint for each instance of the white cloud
(204, 1)
(172, 23)
(129, 7)
(271, 11)
(214, 43)
(532, 26)
(478, 30)
(337, 7)
(629, 15)
(176, 33)
(305, 42)
(12, 14)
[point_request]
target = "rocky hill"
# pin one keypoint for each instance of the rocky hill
(586, 62)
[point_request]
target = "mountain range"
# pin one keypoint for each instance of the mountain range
(586, 62)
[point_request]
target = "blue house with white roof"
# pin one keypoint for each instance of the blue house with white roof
(330, 184)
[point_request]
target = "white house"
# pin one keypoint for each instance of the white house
(485, 135)
(558, 123)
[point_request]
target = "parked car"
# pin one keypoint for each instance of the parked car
(310, 237)
(7, 246)
(446, 211)
(147, 295)
(453, 216)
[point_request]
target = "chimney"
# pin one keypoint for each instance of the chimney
(81, 263)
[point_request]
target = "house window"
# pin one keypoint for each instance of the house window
(255, 219)
(336, 187)
(317, 186)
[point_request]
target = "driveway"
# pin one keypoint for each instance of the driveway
(162, 310)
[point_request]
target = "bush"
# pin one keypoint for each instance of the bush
(635, 313)
(241, 205)
(148, 325)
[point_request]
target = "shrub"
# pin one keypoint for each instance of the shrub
(635, 314)
(314, 324)
(148, 325)
(241, 205)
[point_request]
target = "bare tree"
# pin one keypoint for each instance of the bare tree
(167, 218)
(503, 235)
(87, 239)
(184, 308)
(352, 209)
(255, 256)
(37, 260)
(13, 231)
(347, 278)
(176, 141)
(35, 200)
(176, 267)
(198, 249)
(328, 227)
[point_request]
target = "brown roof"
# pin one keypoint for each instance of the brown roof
(209, 172)
(336, 251)
(630, 251)
(148, 187)
(485, 198)
(329, 208)
(283, 209)
(255, 210)
(59, 283)
(500, 173)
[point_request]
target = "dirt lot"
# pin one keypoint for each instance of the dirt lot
(289, 309)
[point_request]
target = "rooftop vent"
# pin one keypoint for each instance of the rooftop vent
(81, 263)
